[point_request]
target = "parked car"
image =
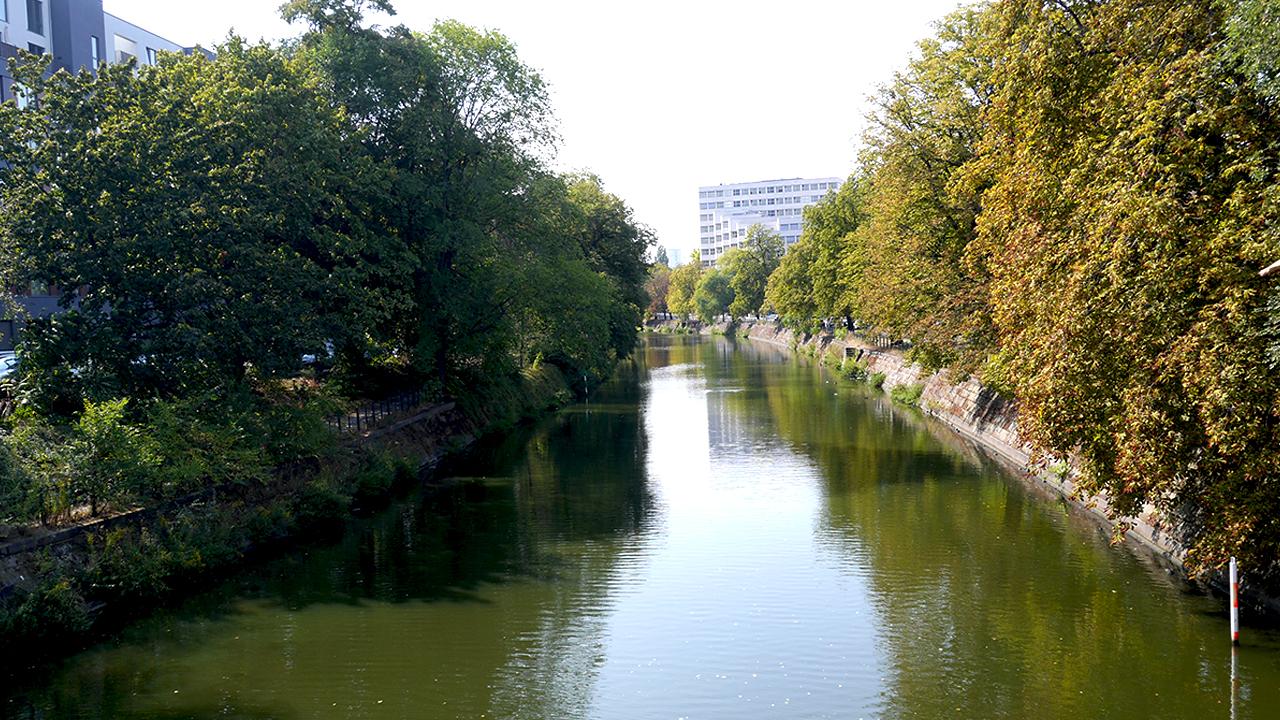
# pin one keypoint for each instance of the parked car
(311, 359)
(8, 364)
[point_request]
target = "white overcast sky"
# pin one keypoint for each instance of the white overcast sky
(659, 97)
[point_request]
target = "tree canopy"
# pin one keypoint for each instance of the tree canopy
(1073, 200)
(374, 201)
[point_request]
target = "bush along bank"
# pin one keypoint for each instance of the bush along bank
(990, 420)
(58, 597)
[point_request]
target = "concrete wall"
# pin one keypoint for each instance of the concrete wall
(75, 22)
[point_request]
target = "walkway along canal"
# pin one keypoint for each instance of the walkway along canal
(724, 532)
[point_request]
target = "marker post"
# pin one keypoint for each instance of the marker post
(1234, 578)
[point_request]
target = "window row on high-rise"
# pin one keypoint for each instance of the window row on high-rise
(794, 187)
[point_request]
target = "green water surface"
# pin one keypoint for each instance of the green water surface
(722, 532)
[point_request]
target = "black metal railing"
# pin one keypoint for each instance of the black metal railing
(371, 414)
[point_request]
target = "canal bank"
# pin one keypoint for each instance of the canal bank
(985, 418)
(59, 588)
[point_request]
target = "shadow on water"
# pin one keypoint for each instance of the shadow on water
(512, 511)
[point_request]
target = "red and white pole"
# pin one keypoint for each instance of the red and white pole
(1235, 603)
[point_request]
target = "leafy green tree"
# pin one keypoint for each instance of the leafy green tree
(713, 296)
(614, 244)
(462, 125)
(790, 291)
(208, 221)
(1253, 42)
(836, 259)
(749, 267)
(567, 317)
(922, 197)
(683, 285)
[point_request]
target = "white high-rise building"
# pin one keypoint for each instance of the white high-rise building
(725, 212)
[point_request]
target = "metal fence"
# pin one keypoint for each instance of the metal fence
(371, 414)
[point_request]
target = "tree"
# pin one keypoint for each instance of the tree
(921, 197)
(749, 267)
(340, 14)
(1123, 233)
(683, 285)
(463, 125)
(614, 244)
(713, 295)
(660, 257)
(201, 218)
(837, 258)
(657, 287)
(1253, 43)
(790, 290)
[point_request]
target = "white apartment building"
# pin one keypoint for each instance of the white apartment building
(75, 34)
(725, 212)
(126, 40)
(26, 24)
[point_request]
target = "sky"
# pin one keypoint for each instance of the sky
(660, 97)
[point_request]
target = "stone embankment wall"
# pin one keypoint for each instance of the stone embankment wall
(972, 410)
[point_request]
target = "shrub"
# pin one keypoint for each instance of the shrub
(126, 564)
(851, 369)
(320, 509)
(53, 612)
(110, 460)
(374, 479)
(15, 487)
(269, 523)
(876, 380)
(908, 395)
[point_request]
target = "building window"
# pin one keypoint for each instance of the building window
(95, 51)
(151, 56)
(35, 16)
(4, 10)
(35, 48)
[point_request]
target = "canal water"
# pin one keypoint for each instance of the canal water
(723, 532)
